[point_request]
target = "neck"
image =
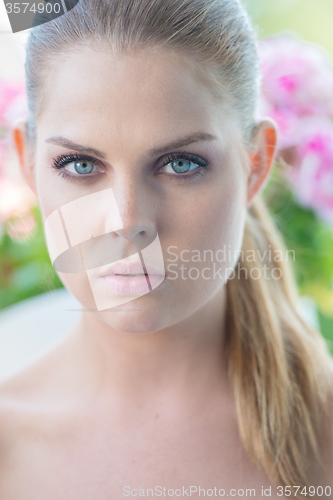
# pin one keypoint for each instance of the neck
(186, 358)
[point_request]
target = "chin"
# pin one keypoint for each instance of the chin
(136, 317)
(153, 311)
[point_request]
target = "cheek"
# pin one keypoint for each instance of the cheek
(55, 192)
(227, 222)
(209, 241)
(217, 216)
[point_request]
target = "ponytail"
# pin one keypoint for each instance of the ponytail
(280, 366)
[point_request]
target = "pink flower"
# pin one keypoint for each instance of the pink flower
(10, 91)
(297, 81)
(312, 175)
(297, 75)
(16, 199)
(13, 105)
(297, 92)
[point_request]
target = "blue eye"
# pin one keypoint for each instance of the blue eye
(81, 167)
(76, 165)
(181, 163)
(180, 166)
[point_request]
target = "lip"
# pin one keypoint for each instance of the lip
(128, 279)
(120, 268)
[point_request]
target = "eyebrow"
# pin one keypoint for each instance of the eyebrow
(180, 143)
(185, 141)
(66, 143)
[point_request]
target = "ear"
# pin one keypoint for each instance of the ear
(262, 156)
(24, 152)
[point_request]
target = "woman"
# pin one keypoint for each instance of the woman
(190, 372)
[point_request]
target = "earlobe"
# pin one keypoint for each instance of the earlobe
(261, 157)
(21, 144)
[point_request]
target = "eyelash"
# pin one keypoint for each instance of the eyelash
(198, 172)
(62, 160)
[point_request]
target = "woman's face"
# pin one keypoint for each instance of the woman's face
(155, 153)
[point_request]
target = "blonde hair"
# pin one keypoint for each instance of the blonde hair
(279, 365)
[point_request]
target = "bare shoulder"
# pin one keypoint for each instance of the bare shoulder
(34, 413)
(23, 393)
(20, 416)
(31, 398)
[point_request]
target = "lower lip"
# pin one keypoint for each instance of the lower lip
(132, 285)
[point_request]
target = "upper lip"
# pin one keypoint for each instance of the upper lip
(129, 268)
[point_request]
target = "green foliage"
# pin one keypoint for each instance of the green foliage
(25, 266)
(312, 242)
(311, 239)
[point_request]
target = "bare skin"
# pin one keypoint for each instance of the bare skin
(139, 397)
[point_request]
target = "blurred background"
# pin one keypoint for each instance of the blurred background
(296, 51)
(298, 85)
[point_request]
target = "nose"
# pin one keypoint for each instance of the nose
(130, 232)
(137, 237)
(134, 202)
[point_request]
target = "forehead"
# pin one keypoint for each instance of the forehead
(132, 95)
